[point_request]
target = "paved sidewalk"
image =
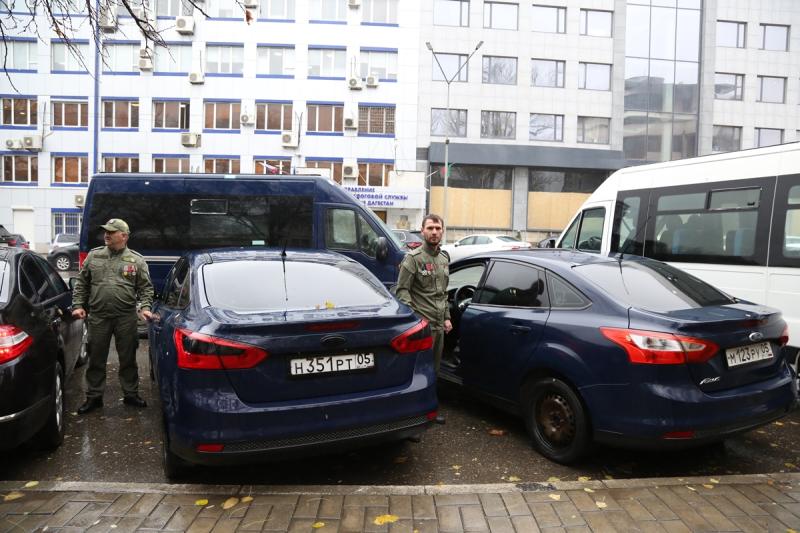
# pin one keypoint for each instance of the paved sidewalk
(728, 503)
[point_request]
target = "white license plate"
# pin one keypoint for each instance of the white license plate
(331, 363)
(742, 355)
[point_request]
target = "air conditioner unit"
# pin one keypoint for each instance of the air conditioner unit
(354, 3)
(108, 22)
(354, 82)
(14, 144)
(289, 139)
(197, 78)
(350, 169)
(79, 200)
(350, 123)
(184, 25)
(145, 63)
(247, 119)
(191, 140)
(372, 80)
(32, 142)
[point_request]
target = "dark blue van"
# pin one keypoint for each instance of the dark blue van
(170, 214)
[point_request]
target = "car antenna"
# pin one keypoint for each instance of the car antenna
(285, 288)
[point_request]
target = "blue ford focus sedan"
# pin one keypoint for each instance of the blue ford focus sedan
(262, 354)
(621, 350)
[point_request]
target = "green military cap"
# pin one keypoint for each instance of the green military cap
(116, 224)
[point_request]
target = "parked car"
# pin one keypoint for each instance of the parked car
(474, 244)
(63, 239)
(411, 239)
(314, 355)
(65, 257)
(5, 236)
(18, 240)
(621, 350)
(39, 348)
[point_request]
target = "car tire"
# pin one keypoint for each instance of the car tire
(556, 420)
(62, 262)
(52, 433)
(174, 467)
(83, 352)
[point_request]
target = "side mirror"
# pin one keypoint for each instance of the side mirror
(455, 244)
(382, 249)
(548, 243)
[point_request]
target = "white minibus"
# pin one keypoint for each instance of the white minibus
(730, 219)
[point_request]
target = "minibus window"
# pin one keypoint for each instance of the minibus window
(791, 235)
(682, 202)
(625, 228)
(735, 199)
(569, 236)
(590, 237)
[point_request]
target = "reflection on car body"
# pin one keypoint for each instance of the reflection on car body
(628, 351)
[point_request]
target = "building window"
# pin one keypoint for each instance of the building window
(222, 165)
(70, 169)
(379, 11)
(549, 19)
(120, 58)
(546, 127)
(273, 116)
(774, 37)
(728, 86)
(594, 76)
(173, 8)
(21, 168)
(63, 60)
(500, 70)
(451, 13)
(275, 60)
(276, 9)
(171, 165)
(594, 130)
(70, 114)
(376, 120)
(565, 180)
(66, 222)
(380, 64)
(452, 125)
(326, 63)
(121, 114)
(224, 59)
(335, 168)
(20, 111)
(731, 34)
(374, 174)
(768, 137)
(120, 164)
(325, 118)
(169, 114)
(21, 55)
(272, 166)
(328, 10)
(547, 73)
(450, 64)
(223, 115)
(596, 23)
(500, 15)
(474, 177)
(225, 9)
(498, 124)
(726, 139)
(771, 89)
(175, 59)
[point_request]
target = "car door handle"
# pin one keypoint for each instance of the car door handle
(517, 329)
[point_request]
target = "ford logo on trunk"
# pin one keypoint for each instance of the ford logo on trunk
(756, 336)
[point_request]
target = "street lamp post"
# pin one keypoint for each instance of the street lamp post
(448, 81)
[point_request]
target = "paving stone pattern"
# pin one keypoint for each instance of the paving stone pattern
(730, 503)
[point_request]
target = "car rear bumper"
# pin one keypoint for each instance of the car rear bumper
(20, 426)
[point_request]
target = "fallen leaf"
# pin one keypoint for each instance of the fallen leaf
(30, 484)
(247, 499)
(400, 459)
(601, 505)
(708, 486)
(497, 432)
(778, 423)
(608, 476)
(456, 467)
(514, 479)
(12, 496)
(691, 488)
(555, 497)
(385, 519)
(788, 465)
(583, 479)
(553, 479)
(201, 503)
(587, 489)
(230, 502)
(317, 525)
(713, 480)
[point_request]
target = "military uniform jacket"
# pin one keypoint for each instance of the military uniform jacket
(422, 284)
(110, 283)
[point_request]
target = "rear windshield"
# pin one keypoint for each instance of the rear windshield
(257, 286)
(652, 285)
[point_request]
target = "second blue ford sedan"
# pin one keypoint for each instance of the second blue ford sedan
(261, 353)
(622, 350)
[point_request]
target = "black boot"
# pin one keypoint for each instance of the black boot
(135, 401)
(90, 405)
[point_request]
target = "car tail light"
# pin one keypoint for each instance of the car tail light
(415, 339)
(784, 340)
(658, 348)
(12, 241)
(13, 342)
(678, 435)
(82, 258)
(203, 352)
(432, 415)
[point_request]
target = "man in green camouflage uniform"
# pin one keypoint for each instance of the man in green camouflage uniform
(422, 283)
(113, 278)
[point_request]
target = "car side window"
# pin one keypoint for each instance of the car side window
(33, 282)
(513, 285)
(483, 240)
(563, 295)
(466, 241)
(175, 283)
(55, 279)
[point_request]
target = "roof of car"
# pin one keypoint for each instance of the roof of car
(556, 258)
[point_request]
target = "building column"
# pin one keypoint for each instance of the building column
(519, 199)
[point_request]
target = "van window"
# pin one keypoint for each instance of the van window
(626, 229)
(347, 230)
(186, 222)
(791, 235)
(569, 236)
(590, 236)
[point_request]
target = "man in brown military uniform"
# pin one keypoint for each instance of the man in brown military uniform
(113, 278)
(422, 282)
